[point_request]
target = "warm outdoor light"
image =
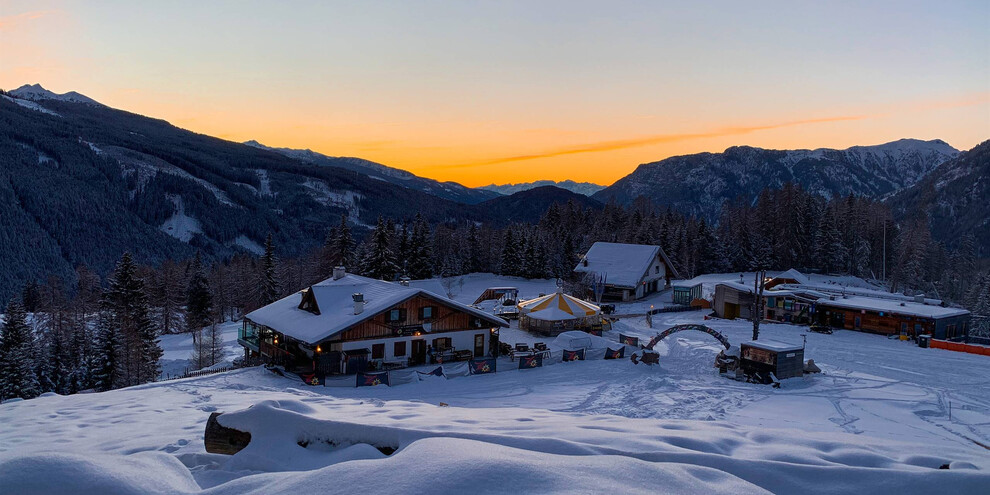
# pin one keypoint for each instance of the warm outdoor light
(318, 349)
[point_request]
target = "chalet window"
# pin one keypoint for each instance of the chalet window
(396, 315)
(399, 350)
(771, 302)
(426, 312)
(788, 304)
(442, 343)
(378, 351)
(656, 269)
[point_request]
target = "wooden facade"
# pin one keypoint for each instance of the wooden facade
(443, 318)
(889, 323)
(732, 302)
(400, 335)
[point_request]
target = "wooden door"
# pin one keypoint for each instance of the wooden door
(479, 345)
(418, 352)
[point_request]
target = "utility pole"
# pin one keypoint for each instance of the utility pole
(758, 286)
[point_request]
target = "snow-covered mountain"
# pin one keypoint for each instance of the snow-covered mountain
(34, 92)
(447, 190)
(699, 184)
(585, 188)
(956, 196)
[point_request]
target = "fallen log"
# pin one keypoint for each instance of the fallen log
(222, 440)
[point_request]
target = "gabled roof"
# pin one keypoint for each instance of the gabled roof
(624, 265)
(336, 307)
(785, 277)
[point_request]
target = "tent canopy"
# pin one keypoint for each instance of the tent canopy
(557, 307)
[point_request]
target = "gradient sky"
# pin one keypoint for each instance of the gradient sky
(480, 92)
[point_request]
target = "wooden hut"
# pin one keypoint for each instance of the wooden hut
(770, 356)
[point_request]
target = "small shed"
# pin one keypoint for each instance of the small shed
(770, 356)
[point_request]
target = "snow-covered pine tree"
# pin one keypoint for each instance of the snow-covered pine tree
(199, 298)
(269, 286)
(128, 313)
(343, 245)
(509, 264)
(403, 254)
(472, 252)
(420, 250)
(80, 351)
(379, 262)
(105, 366)
(17, 355)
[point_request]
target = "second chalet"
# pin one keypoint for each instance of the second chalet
(349, 324)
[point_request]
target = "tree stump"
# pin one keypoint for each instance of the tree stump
(222, 440)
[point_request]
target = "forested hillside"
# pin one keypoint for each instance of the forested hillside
(80, 184)
(699, 184)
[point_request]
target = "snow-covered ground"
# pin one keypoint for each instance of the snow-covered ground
(178, 347)
(876, 421)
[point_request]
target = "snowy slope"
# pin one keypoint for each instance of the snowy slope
(877, 421)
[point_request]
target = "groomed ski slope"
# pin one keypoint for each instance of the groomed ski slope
(877, 421)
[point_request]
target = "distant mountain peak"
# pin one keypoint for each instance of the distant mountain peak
(35, 92)
(585, 188)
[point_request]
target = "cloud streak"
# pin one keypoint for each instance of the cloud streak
(10, 21)
(620, 144)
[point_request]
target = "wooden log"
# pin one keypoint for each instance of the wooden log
(222, 440)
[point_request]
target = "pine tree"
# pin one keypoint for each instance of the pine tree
(105, 367)
(509, 264)
(420, 252)
(472, 262)
(127, 312)
(270, 289)
(17, 355)
(199, 298)
(343, 244)
(379, 262)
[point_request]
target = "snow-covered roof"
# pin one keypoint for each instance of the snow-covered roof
(736, 286)
(334, 298)
(431, 285)
(773, 345)
(623, 265)
(893, 306)
(791, 274)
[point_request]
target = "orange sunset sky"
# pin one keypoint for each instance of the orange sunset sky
(482, 92)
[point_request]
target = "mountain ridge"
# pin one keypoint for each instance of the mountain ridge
(585, 188)
(699, 184)
(444, 189)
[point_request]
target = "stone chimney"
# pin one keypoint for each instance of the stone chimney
(358, 303)
(404, 281)
(919, 298)
(338, 272)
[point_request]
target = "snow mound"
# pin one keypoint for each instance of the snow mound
(95, 474)
(575, 340)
